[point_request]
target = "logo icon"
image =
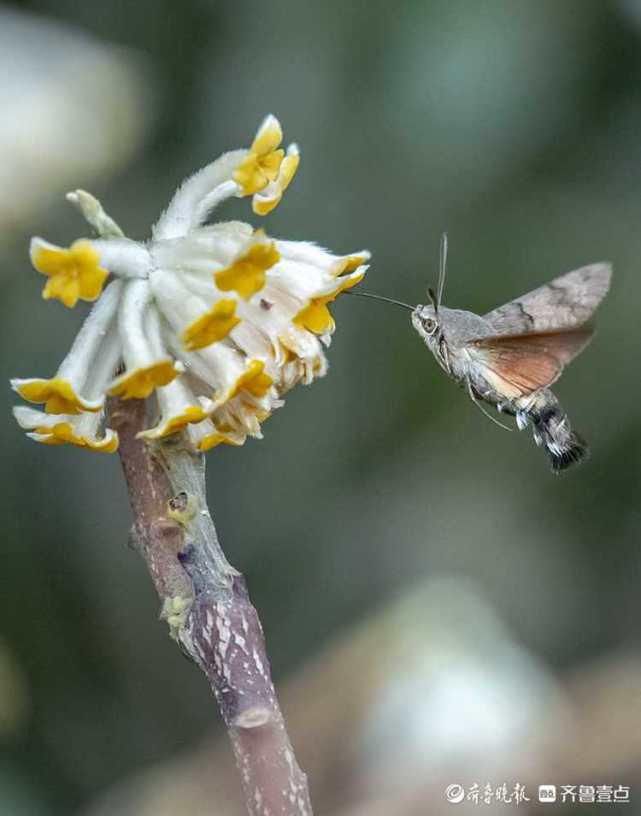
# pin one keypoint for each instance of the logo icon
(547, 793)
(455, 793)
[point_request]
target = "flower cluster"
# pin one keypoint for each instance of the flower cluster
(215, 323)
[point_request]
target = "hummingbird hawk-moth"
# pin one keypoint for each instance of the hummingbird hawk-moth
(509, 357)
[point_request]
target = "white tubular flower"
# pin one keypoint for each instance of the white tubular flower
(82, 429)
(213, 323)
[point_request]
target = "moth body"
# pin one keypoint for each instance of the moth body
(552, 429)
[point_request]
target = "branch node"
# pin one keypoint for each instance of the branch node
(182, 507)
(175, 611)
(253, 718)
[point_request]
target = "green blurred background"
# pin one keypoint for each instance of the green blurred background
(513, 124)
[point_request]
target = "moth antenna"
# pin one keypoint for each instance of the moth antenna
(470, 391)
(381, 298)
(433, 300)
(442, 269)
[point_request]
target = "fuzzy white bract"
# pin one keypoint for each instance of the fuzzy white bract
(213, 323)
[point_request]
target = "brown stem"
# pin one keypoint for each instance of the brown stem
(206, 604)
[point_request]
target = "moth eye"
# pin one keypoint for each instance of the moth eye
(429, 325)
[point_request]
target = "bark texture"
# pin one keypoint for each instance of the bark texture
(207, 607)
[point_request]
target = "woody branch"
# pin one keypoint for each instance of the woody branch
(206, 605)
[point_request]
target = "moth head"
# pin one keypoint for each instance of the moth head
(425, 321)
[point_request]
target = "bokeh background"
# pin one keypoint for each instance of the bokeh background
(439, 607)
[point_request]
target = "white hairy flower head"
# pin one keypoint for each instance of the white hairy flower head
(214, 323)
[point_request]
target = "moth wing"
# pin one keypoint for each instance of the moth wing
(564, 303)
(518, 365)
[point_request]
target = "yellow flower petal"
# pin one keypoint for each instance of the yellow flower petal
(348, 282)
(263, 203)
(192, 413)
(215, 439)
(246, 276)
(268, 138)
(62, 433)
(141, 382)
(288, 169)
(73, 273)
(214, 325)
(57, 394)
(62, 288)
(350, 263)
(316, 317)
(253, 380)
(263, 160)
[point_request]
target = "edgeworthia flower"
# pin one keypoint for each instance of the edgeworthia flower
(215, 323)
